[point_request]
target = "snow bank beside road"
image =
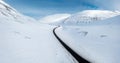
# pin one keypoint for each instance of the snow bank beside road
(30, 43)
(101, 44)
(97, 43)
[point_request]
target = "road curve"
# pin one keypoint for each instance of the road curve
(72, 52)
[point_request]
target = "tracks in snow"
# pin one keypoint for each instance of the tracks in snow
(72, 52)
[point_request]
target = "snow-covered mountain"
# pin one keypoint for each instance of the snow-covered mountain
(9, 13)
(89, 16)
(33, 42)
(54, 18)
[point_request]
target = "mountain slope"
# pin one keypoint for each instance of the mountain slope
(7, 12)
(54, 18)
(89, 16)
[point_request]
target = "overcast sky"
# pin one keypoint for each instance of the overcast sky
(41, 8)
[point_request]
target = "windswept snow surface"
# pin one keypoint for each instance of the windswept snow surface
(88, 16)
(97, 43)
(22, 40)
(30, 43)
(51, 19)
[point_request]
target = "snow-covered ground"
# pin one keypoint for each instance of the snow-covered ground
(22, 40)
(93, 34)
(97, 43)
(30, 43)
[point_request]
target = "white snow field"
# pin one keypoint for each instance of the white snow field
(22, 40)
(98, 43)
(30, 43)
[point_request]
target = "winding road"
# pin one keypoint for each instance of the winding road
(72, 52)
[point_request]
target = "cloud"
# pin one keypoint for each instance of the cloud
(39, 8)
(37, 13)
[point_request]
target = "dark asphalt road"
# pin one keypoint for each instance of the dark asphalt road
(72, 52)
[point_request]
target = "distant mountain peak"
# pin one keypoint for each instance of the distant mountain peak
(54, 18)
(88, 16)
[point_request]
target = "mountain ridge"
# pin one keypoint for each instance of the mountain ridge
(8, 12)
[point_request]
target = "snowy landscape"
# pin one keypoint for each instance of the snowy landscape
(89, 36)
